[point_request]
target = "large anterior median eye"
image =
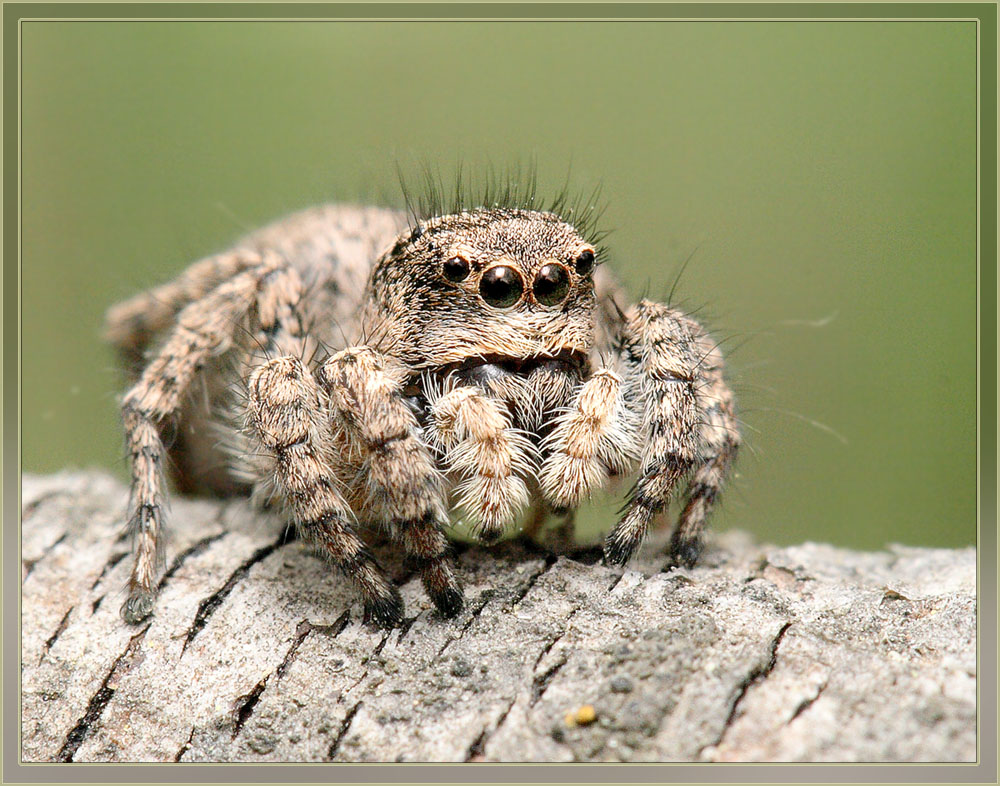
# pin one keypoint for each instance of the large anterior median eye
(551, 284)
(501, 286)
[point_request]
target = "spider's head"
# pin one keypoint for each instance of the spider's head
(484, 285)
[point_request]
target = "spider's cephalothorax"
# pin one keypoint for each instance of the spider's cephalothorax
(484, 361)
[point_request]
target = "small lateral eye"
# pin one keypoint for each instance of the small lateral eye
(585, 262)
(501, 286)
(551, 284)
(456, 269)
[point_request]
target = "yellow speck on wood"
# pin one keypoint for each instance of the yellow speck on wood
(583, 716)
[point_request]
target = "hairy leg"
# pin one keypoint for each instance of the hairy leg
(594, 438)
(287, 411)
(132, 324)
(661, 352)
(204, 328)
(490, 457)
(403, 486)
(720, 441)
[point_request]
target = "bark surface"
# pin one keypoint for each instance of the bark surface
(256, 651)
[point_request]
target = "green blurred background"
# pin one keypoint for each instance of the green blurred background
(823, 175)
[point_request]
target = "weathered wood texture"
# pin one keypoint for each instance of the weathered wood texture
(256, 652)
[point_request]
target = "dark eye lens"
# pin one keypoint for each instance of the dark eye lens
(456, 269)
(585, 262)
(501, 286)
(551, 284)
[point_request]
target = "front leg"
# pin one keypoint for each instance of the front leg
(674, 377)
(286, 413)
(402, 485)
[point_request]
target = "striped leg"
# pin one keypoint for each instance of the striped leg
(132, 324)
(204, 327)
(404, 488)
(720, 439)
(671, 380)
(286, 410)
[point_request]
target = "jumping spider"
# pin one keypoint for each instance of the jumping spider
(372, 372)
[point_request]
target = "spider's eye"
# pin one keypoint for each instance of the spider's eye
(456, 269)
(501, 286)
(585, 262)
(551, 284)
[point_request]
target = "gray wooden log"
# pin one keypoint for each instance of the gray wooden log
(256, 652)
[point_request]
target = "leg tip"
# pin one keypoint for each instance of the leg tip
(138, 606)
(685, 553)
(385, 612)
(616, 552)
(450, 601)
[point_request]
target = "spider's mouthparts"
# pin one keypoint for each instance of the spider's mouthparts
(572, 360)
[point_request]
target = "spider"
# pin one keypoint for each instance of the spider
(372, 371)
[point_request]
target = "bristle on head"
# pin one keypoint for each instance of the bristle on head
(429, 195)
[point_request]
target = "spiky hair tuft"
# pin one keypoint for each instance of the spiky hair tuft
(429, 195)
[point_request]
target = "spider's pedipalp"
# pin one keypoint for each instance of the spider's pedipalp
(403, 487)
(490, 458)
(595, 438)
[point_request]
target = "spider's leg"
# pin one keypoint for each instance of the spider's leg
(132, 324)
(594, 438)
(203, 328)
(403, 485)
(720, 442)
(491, 458)
(286, 410)
(675, 379)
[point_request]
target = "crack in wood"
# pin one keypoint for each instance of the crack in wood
(541, 683)
(113, 560)
(617, 581)
(344, 726)
(405, 626)
(29, 564)
(184, 748)
(478, 746)
(29, 509)
(302, 630)
(550, 560)
(244, 705)
(190, 551)
(59, 630)
(757, 674)
(380, 646)
(488, 594)
(100, 700)
(208, 606)
(484, 598)
(807, 703)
